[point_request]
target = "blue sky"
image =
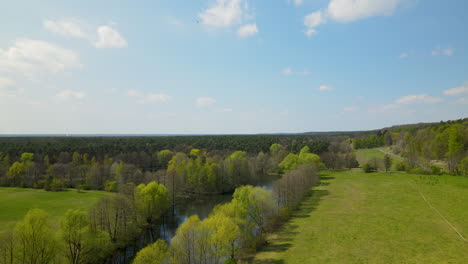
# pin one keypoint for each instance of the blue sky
(230, 66)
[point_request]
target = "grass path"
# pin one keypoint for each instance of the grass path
(15, 203)
(375, 218)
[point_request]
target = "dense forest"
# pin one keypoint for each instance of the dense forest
(146, 175)
(231, 232)
(427, 147)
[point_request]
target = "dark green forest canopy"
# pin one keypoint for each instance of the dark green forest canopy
(114, 145)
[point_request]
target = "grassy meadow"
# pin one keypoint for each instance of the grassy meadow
(353, 217)
(15, 203)
(364, 156)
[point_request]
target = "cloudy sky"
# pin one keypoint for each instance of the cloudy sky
(230, 66)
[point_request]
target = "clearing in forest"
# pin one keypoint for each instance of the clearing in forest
(353, 217)
(16, 202)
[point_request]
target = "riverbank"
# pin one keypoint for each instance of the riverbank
(354, 217)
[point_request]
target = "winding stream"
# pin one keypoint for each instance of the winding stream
(201, 205)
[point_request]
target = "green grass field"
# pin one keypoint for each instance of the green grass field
(353, 217)
(366, 155)
(15, 203)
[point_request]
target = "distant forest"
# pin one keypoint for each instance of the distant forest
(97, 162)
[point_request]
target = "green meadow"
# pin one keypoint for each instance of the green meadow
(364, 156)
(354, 217)
(15, 203)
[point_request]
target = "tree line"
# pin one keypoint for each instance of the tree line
(116, 219)
(85, 237)
(235, 230)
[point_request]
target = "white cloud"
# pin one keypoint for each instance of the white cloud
(70, 95)
(247, 30)
(404, 55)
(7, 87)
(460, 90)
(27, 56)
(443, 52)
(287, 71)
(102, 37)
(348, 11)
(224, 13)
(417, 99)
(325, 88)
(67, 27)
(298, 2)
(314, 19)
(310, 32)
(205, 101)
(148, 98)
(351, 10)
(290, 71)
(462, 101)
(225, 110)
(350, 109)
(109, 37)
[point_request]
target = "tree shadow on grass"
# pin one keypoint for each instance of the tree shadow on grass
(288, 232)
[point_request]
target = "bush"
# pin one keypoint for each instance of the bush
(39, 184)
(401, 166)
(111, 186)
(84, 186)
(463, 167)
(367, 168)
(56, 185)
(436, 170)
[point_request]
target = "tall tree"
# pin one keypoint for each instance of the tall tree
(36, 243)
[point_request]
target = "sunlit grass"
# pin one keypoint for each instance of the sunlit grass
(355, 217)
(15, 203)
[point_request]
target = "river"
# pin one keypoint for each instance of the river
(200, 205)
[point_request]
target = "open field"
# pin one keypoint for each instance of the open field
(15, 203)
(367, 155)
(355, 217)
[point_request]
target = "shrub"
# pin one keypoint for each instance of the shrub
(367, 168)
(401, 166)
(436, 170)
(39, 184)
(56, 185)
(111, 186)
(463, 167)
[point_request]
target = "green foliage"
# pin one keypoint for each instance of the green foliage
(151, 200)
(387, 162)
(463, 166)
(292, 161)
(56, 185)
(111, 186)
(275, 148)
(27, 157)
(82, 243)
(367, 168)
(163, 157)
(36, 243)
(156, 253)
(369, 142)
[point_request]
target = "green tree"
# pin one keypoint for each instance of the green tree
(155, 253)
(163, 157)
(36, 242)
(455, 147)
(387, 162)
(83, 245)
(184, 243)
(275, 148)
(463, 167)
(151, 200)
